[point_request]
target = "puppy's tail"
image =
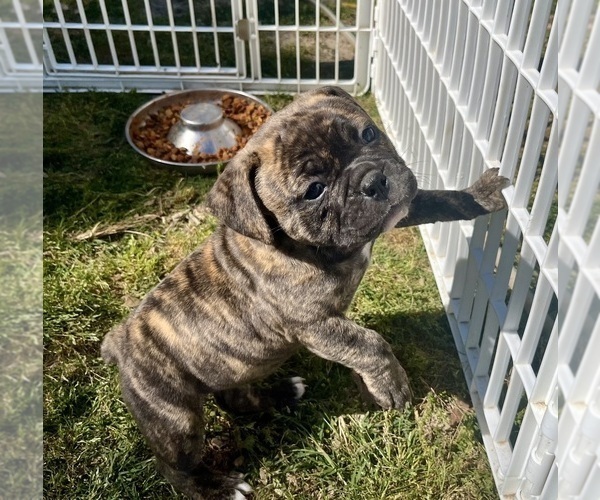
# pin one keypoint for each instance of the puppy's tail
(111, 345)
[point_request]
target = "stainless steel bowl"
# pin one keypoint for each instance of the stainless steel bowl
(202, 127)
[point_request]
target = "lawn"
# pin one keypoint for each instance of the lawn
(20, 296)
(113, 227)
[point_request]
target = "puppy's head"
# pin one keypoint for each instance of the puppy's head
(319, 172)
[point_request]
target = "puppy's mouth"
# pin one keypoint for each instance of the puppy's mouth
(395, 215)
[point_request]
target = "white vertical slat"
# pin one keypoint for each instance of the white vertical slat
(467, 60)
(459, 46)
(587, 187)
(336, 59)
(545, 193)
(87, 34)
(534, 44)
(489, 94)
(506, 90)
(127, 15)
(111, 42)
(590, 66)
(533, 144)
(31, 50)
(48, 51)
(478, 77)
(213, 21)
(297, 40)
(317, 39)
(277, 40)
(572, 141)
(173, 33)
(516, 127)
(509, 407)
(574, 33)
(152, 34)
(365, 44)
(237, 14)
(65, 33)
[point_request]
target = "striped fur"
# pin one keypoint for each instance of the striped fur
(277, 275)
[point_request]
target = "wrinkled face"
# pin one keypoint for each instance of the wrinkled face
(336, 178)
(320, 172)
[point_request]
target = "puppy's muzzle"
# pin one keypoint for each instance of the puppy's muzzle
(375, 185)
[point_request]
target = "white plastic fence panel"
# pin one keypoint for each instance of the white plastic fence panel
(254, 45)
(303, 44)
(146, 44)
(20, 45)
(463, 86)
(579, 251)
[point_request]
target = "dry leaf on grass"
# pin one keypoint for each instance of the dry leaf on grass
(101, 231)
(192, 216)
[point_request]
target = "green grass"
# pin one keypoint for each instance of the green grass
(330, 446)
(20, 296)
(20, 360)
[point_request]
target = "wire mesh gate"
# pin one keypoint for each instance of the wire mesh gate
(462, 85)
(254, 45)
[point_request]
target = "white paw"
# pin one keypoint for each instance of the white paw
(299, 387)
(242, 489)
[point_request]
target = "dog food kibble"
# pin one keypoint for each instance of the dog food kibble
(151, 136)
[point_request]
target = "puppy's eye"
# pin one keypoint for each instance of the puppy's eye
(369, 134)
(314, 191)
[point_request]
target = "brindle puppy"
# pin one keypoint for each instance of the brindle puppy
(300, 208)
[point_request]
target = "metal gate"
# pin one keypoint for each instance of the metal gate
(255, 45)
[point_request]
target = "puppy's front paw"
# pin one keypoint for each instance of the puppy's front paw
(487, 191)
(388, 390)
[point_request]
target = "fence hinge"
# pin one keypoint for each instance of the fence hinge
(242, 29)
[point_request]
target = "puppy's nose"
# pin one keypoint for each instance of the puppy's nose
(375, 185)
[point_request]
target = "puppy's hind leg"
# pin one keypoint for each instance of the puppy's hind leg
(174, 431)
(201, 483)
(252, 399)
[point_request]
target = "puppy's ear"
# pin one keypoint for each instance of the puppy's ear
(234, 200)
(333, 91)
(342, 97)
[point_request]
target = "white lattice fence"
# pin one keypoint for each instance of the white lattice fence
(466, 85)
(20, 45)
(254, 45)
(579, 250)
